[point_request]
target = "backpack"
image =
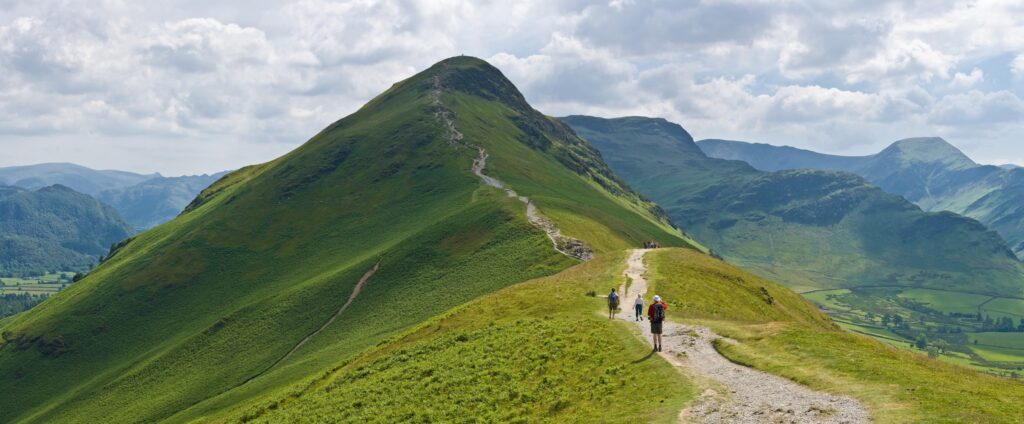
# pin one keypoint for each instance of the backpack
(659, 312)
(613, 300)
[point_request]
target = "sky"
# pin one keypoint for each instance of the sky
(190, 86)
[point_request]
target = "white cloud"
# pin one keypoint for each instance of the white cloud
(1017, 65)
(962, 80)
(978, 108)
(138, 78)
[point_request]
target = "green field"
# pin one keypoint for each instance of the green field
(929, 312)
(1007, 340)
(43, 284)
(947, 301)
(1013, 308)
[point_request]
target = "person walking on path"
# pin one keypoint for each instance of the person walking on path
(613, 304)
(656, 314)
(638, 306)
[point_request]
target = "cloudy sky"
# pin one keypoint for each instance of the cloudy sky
(196, 86)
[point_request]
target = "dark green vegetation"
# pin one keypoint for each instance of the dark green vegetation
(176, 320)
(816, 230)
(54, 229)
(156, 200)
(14, 303)
(927, 171)
(788, 337)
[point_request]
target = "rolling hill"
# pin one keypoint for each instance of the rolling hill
(930, 172)
(156, 200)
(144, 201)
(809, 229)
(77, 177)
(53, 229)
(281, 271)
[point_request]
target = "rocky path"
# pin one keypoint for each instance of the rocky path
(734, 393)
(565, 245)
(355, 292)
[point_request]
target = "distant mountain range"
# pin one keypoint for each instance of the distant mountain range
(930, 172)
(143, 200)
(808, 228)
(54, 229)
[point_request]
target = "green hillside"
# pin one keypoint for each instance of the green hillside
(195, 316)
(930, 172)
(864, 255)
(809, 229)
(54, 229)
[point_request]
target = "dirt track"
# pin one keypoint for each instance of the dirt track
(734, 393)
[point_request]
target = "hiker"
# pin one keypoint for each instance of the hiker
(638, 306)
(613, 304)
(656, 313)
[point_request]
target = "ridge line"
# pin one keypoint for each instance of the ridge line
(568, 246)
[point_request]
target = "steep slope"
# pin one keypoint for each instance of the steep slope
(930, 172)
(232, 299)
(809, 229)
(77, 177)
(157, 200)
(54, 229)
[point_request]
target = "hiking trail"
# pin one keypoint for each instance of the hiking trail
(565, 245)
(355, 292)
(737, 394)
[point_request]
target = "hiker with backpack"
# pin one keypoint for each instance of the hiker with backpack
(613, 304)
(656, 313)
(638, 306)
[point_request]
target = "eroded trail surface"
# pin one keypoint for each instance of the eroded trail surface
(734, 393)
(563, 244)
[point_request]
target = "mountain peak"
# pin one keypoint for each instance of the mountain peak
(933, 150)
(476, 77)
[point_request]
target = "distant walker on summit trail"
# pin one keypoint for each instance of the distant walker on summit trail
(656, 313)
(613, 304)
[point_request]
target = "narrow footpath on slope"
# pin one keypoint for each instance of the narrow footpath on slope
(565, 245)
(355, 292)
(733, 393)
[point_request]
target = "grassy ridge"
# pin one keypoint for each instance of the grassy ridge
(267, 254)
(535, 352)
(790, 338)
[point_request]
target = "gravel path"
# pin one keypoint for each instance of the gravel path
(734, 393)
